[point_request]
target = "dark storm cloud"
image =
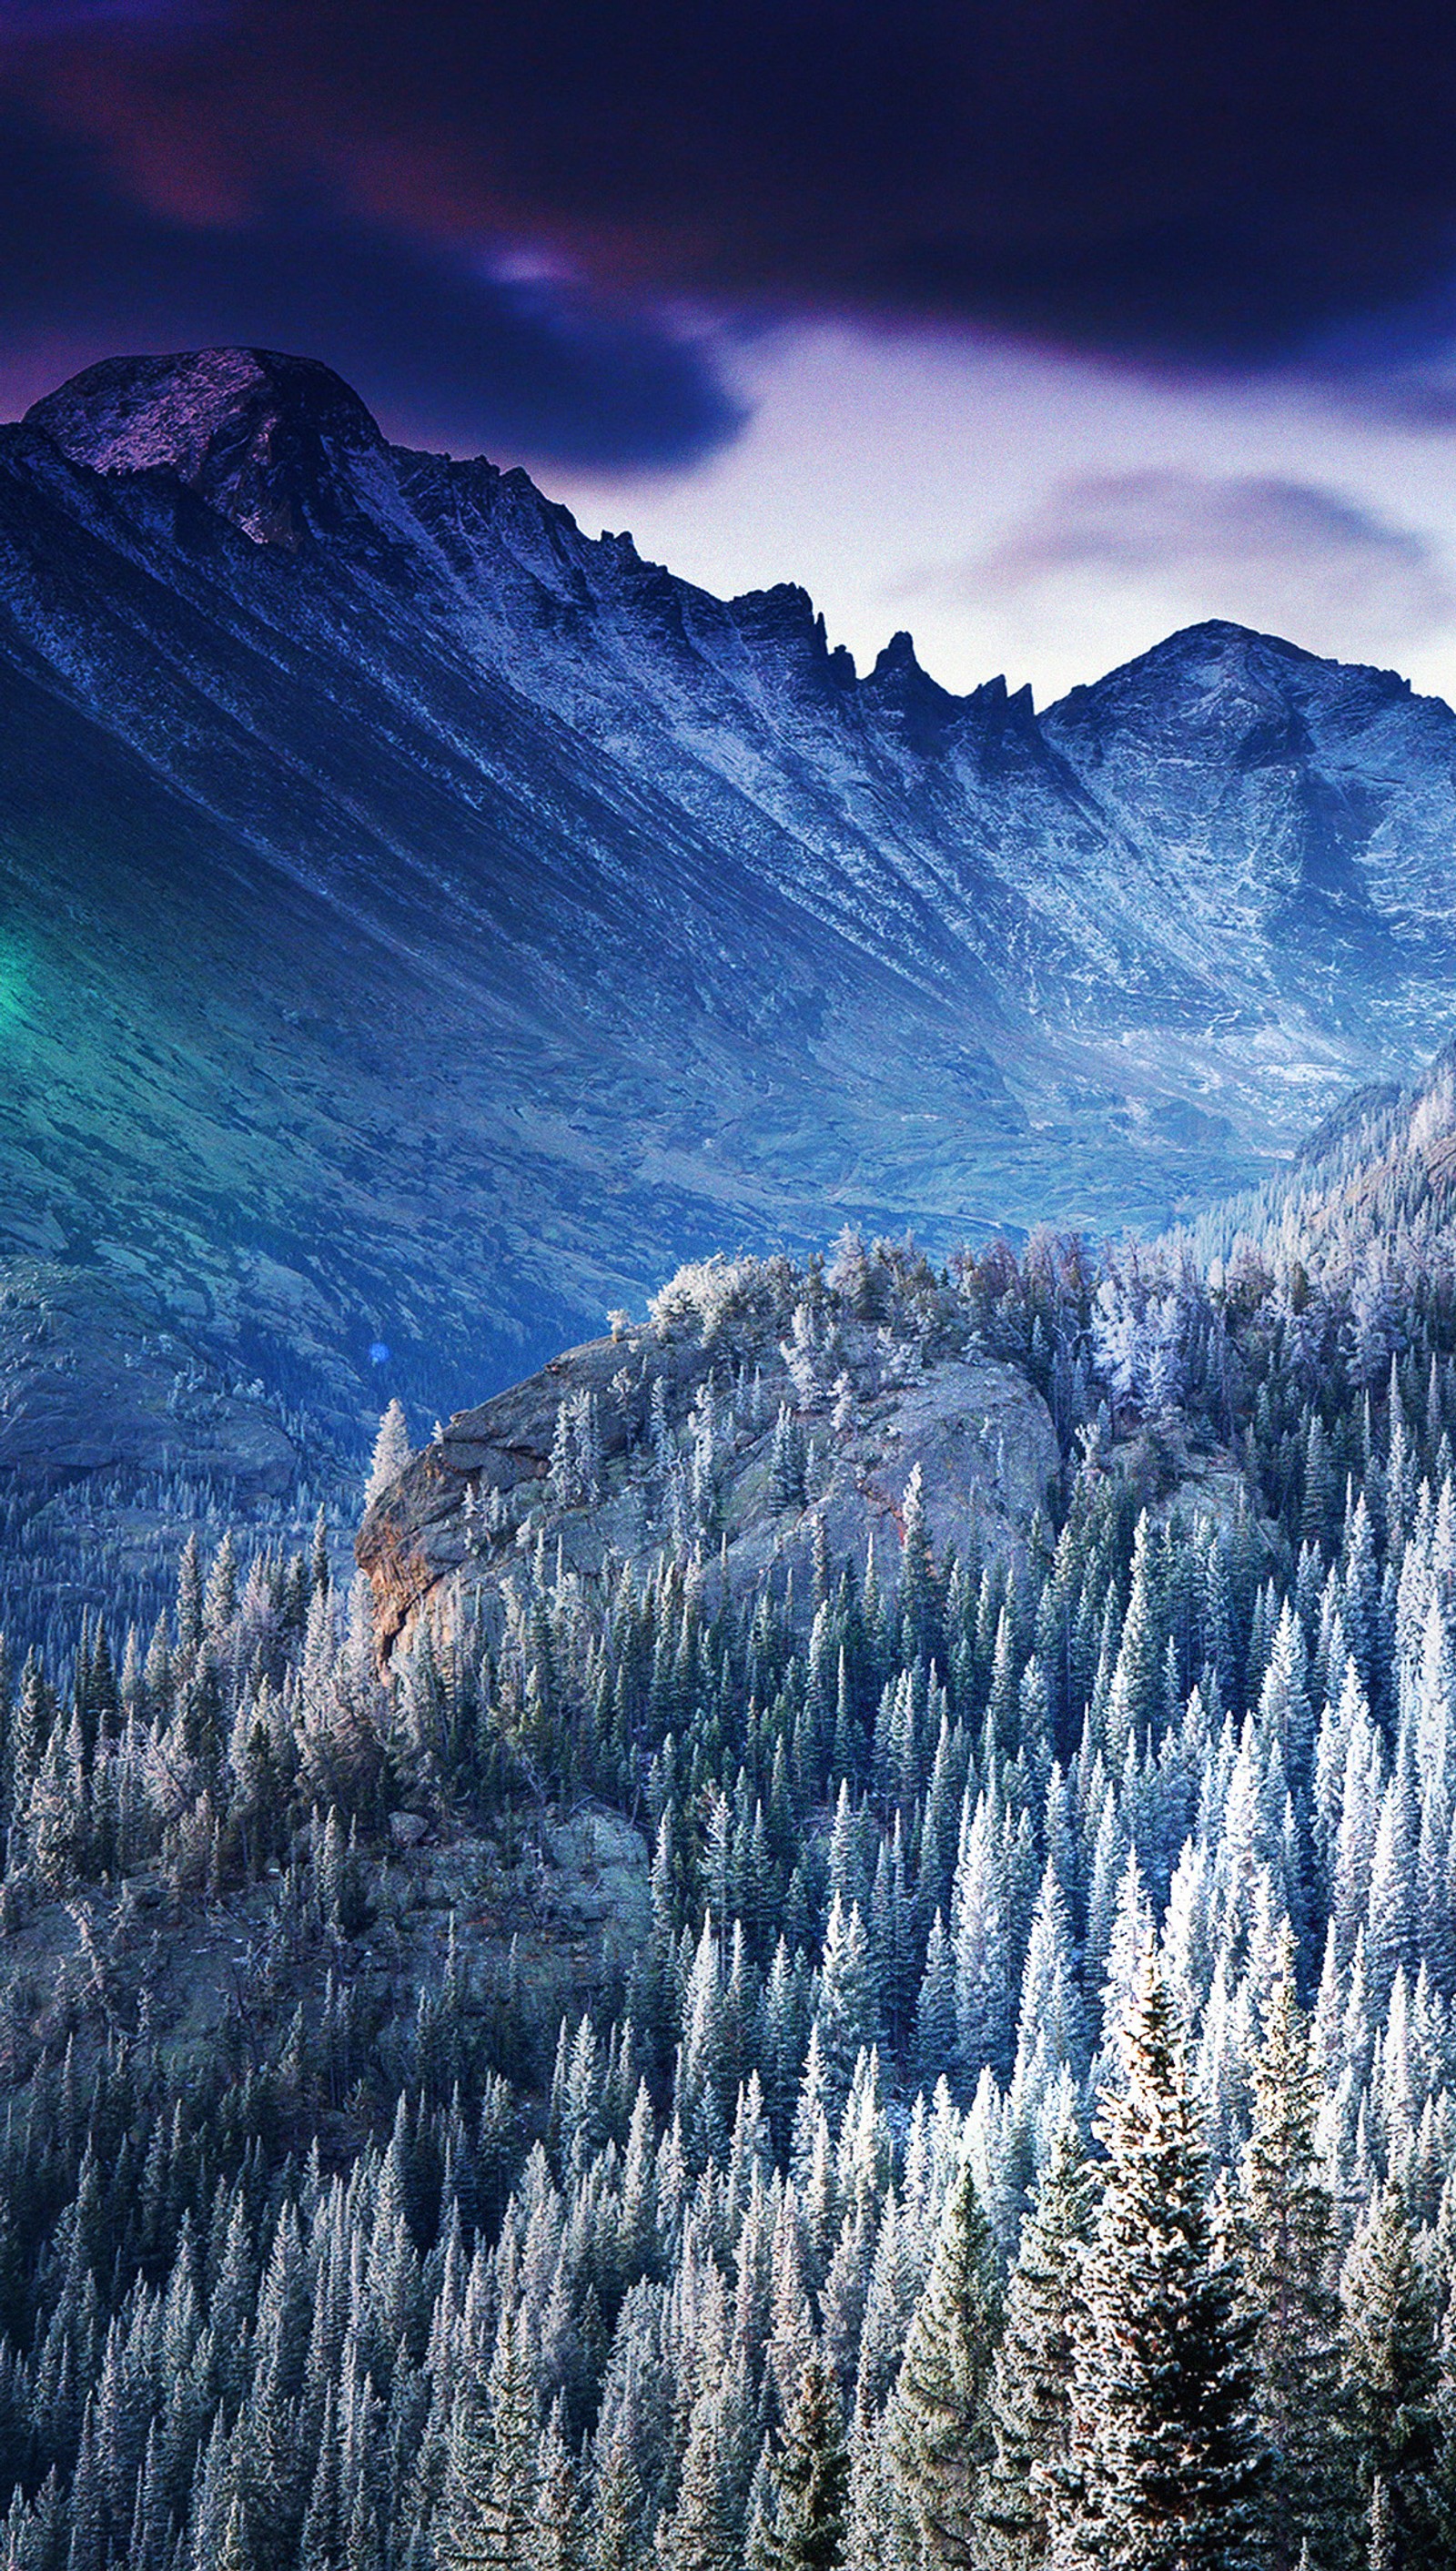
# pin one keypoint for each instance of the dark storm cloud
(1211, 184)
(451, 350)
(63, 17)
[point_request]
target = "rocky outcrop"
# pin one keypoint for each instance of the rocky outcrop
(273, 444)
(688, 1447)
(532, 1934)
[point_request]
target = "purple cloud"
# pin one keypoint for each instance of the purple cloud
(1261, 549)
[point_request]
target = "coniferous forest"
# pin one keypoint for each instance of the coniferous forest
(1023, 2132)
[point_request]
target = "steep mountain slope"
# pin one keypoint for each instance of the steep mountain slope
(424, 924)
(1368, 1205)
(1302, 816)
(708, 1429)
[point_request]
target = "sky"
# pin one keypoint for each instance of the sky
(1037, 329)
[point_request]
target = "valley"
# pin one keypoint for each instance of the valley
(425, 925)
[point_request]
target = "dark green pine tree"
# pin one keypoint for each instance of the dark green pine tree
(1165, 2438)
(617, 2539)
(190, 1599)
(787, 1464)
(1026, 2487)
(811, 2477)
(938, 2426)
(1391, 2373)
(847, 2012)
(488, 2509)
(1285, 2227)
(705, 2529)
(235, 2553)
(1382, 2554)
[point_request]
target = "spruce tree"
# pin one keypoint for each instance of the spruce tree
(1031, 2392)
(938, 2426)
(488, 2507)
(1285, 2228)
(392, 1452)
(703, 2531)
(787, 1464)
(1391, 2379)
(1164, 2442)
(811, 2478)
(558, 2541)
(615, 2539)
(1381, 2552)
(847, 2013)
(935, 2017)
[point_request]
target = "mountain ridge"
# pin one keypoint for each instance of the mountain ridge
(480, 919)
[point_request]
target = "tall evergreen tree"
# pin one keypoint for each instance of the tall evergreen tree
(1164, 2442)
(392, 1452)
(488, 2512)
(702, 2530)
(1391, 2379)
(1285, 2233)
(847, 2013)
(811, 2478)
(1031, 2394)
(558, 2541)
(938, 2424)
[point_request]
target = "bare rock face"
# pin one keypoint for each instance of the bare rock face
(693, 1444)
(553, 1928)
(93, 1383)
(268, 441)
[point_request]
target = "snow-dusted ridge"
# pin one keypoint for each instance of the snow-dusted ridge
(435, 922)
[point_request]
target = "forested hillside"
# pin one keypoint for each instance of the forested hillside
(1004, 2106)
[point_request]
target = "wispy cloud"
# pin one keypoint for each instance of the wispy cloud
(1287, 555)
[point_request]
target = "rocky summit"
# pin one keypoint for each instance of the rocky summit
(425, 924)
(978, 1433)
(769, 1423)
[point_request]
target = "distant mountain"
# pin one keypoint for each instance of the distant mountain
(423, 924)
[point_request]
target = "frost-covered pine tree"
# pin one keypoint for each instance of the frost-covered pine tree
(1391, 2379)
(1286, 2230)
(1164, 2440)
(938, 2424)
(811, 2478)
(1028, 2487)
(488, 2510)
(848, 2011)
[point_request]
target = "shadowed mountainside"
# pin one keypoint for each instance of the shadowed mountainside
(423, 924)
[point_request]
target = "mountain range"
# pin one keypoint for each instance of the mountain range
(424, 924)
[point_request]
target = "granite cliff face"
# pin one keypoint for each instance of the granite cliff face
(424, 924)
(699, 1443)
